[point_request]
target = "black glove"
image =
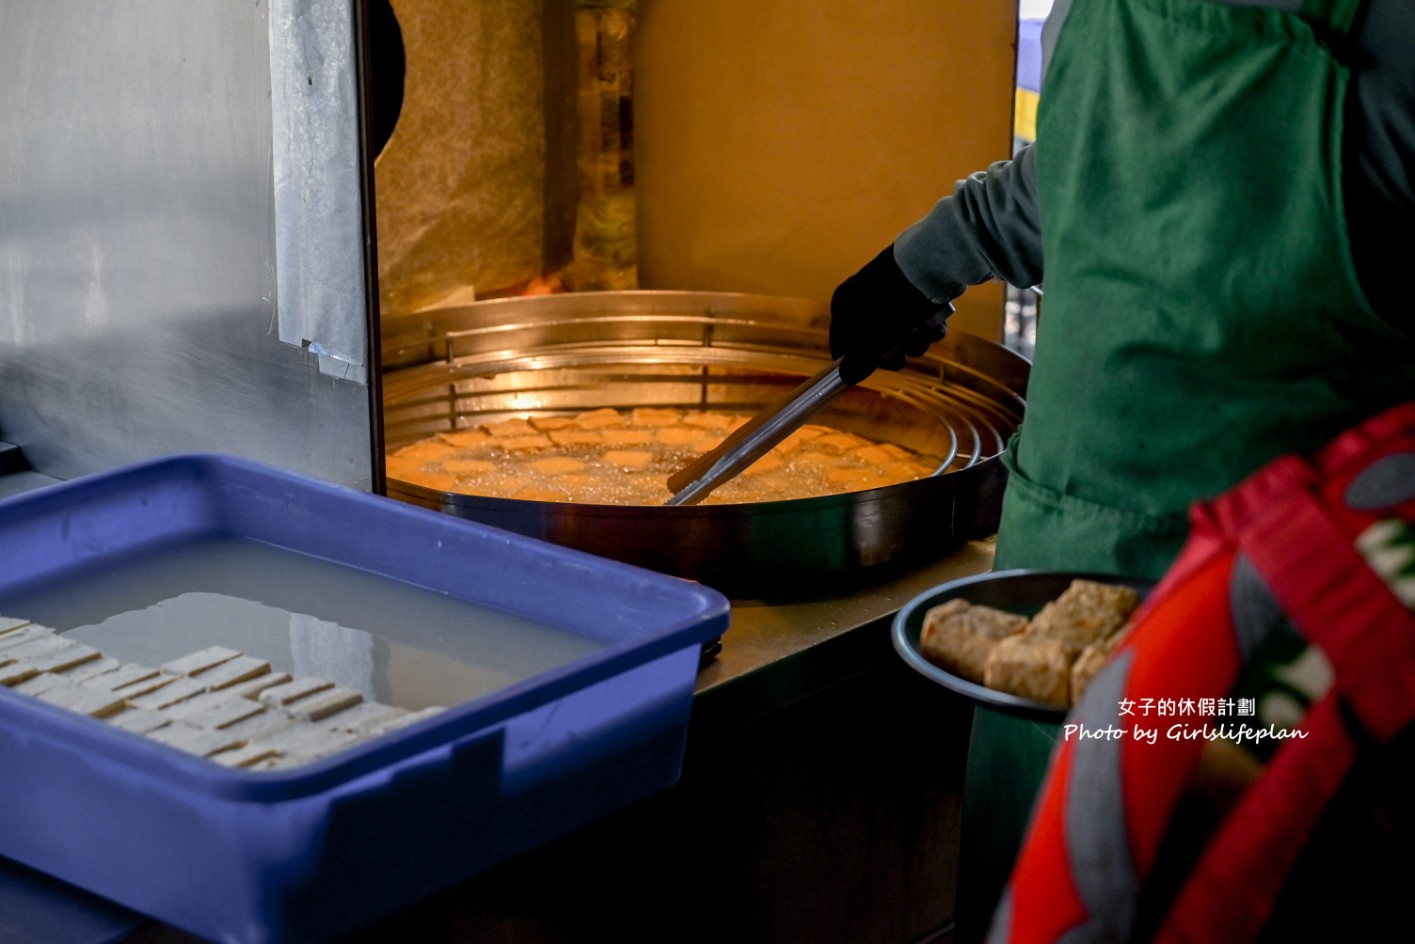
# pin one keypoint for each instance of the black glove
(877, 310)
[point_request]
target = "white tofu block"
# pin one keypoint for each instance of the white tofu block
(364, 718)
(87, 671)
(82, 700)
(125, 677)
(282, 695)
(30, 648)
(10, 624)
(25, 634)
(200, 661)
(246, 755)
(232, 672)
(214, 710)
(16, 672)
(36, 683)
(168, 695)
(306, 740)
(146, 685)
(260, 683)
(323, 704)
(194, 740)
(138, 720)
(64, 657)
(264, 722)
(412, 717)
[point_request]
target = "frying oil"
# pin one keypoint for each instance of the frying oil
(395, 643)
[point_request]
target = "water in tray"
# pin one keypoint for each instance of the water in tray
(395, 643)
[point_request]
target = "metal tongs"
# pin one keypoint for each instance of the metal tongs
(763, 432)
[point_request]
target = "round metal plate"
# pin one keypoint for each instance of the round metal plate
(1023, 592)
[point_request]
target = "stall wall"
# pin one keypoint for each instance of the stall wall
(780, 144)
(140, 246)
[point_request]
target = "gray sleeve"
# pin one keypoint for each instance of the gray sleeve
(989, 227)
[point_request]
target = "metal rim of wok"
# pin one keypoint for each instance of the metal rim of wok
(459, 367)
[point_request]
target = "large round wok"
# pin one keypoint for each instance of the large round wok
(459, 367)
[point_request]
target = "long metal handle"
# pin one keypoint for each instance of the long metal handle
(764, 431)
(756, 438)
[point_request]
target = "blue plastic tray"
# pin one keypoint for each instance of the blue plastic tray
(314, 851)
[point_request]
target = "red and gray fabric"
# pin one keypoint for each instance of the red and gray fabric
(1293, 599)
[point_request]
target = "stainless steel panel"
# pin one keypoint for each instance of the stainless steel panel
(137, 263)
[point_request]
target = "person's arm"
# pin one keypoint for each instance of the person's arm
(989, 227)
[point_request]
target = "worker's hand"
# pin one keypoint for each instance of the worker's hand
(877, 310)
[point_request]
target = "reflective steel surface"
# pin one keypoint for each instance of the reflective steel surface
(137, 262)
(479, 363)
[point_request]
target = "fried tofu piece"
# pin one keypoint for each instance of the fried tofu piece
(958, 635)
(1030, 667)
(576, 437)
(1087, 611)
(556, 465)
(712, 421)
(466, 438)
(628, 437)
(547, 423)
(872, 455)
(1094, 658)
(628, 458)
(525, 443)
(598, 419)
(679, 435)
(654, 416)
(461, 466)
(767, 463)
(839, 442)
(509, 429)
(425, 450)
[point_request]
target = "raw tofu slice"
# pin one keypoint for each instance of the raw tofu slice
(145, 684)
(260, 683)
(958, 635)
(168, 695)
(1030, 667)
(365, 717)
(214, 710)
(323, 704)
(8, 624)
(16, 672)
(25, 634)
(247, 755)
(232, 672)
(138, 720)
(281, 696)
(36, 682)
(307, 741)
(66, 656)
(410, 718)
(81, 699)
(202, 742)
(87, 671)
(200, 661)
(124, 676)
(264, 722)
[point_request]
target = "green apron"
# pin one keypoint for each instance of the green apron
(1202, 315)
(1202, 312)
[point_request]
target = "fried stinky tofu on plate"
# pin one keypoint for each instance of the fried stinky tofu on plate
(1049, 658)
